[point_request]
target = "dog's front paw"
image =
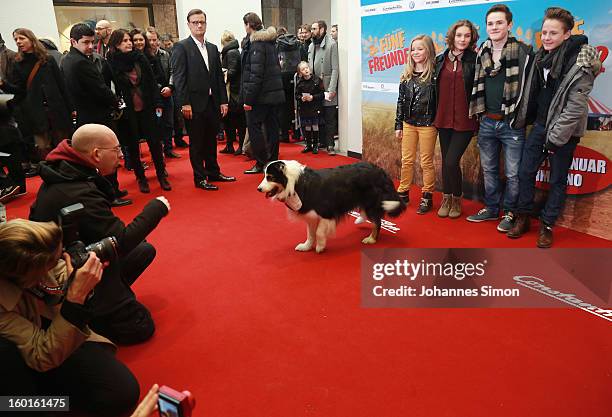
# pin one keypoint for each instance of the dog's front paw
(320, 248)
(368, 240)
(303, 247)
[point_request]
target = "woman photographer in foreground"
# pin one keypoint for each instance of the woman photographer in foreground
(46, 348)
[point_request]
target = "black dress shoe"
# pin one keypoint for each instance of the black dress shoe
(120, 202)
(180, 143)
(221, 178)
(164, 183)
(172, 154)
(205, 185)
(255, 169)
(121, 193)
(227, 149)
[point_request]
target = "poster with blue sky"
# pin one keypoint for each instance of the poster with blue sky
(388, 27)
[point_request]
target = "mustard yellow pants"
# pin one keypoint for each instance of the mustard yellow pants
(425, 137)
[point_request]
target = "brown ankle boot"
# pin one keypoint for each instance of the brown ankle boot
(455, 209)
(545, 238)
(521, 226)
(445, 206)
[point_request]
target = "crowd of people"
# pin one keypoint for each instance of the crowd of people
(74, 119)
(60, 322)
(147, 88)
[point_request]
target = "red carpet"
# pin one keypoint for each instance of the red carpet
(254, 328)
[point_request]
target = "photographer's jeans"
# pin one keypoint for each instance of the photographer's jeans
(560, 162)
(494, 136)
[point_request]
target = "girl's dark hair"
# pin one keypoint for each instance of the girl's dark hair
(450, 35)
(147, 48)
(253, 21)
(562, 15)
(116, 38)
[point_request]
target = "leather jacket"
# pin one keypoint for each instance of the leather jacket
(416, 103)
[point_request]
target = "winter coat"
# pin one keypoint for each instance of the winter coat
(261, 75)
(313, 87)
(568, 111)
(288, 47)
(324, 64)
(52, 50)
(230, 60)
(21, 324)
(148, 84)
(7, 60)
(46, 98)
(92, 98)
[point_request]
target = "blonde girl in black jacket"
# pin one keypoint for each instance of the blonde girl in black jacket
(416, 110)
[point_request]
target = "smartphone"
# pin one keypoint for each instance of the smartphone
(172, 403)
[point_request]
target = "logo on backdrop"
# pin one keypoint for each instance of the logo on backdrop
(386, 52)
(588, 173)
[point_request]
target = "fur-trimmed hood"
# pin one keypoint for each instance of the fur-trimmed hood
(264, 35)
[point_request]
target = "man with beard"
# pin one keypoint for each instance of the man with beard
(323, 59)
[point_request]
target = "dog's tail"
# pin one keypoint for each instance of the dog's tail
(394, 207)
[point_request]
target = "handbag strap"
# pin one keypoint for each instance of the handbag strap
(32, 74)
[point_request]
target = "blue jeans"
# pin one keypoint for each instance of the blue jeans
(495, 136)
(560, 162)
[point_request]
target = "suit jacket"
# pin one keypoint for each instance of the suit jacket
(91, 97)
(192, 80)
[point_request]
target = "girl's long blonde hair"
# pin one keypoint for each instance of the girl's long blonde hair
(410, 67)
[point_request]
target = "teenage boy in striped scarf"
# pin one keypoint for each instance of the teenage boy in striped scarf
(499, 78)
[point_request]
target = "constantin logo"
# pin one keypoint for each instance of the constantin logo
(538, 285)
(411, 5)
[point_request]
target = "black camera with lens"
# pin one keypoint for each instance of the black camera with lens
(105, 249)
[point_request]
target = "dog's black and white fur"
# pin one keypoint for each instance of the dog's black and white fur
(326, 195)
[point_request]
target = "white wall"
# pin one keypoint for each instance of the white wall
(349, 51)
(36, 15)
(221, 15)
(313, 10)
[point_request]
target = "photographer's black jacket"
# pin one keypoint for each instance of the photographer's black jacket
(70, 179)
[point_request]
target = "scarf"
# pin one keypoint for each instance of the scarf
(123, 61)
(486, 68)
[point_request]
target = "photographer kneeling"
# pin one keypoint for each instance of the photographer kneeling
(47, 348)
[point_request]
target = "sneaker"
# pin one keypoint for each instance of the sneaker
(426, 204)
(506, 223)
(8, 193)
(331, 151)
(482, 215)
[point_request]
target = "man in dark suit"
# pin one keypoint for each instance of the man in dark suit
(93, 100)
(200, 93)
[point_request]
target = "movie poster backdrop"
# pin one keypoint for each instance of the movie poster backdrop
(389, 26)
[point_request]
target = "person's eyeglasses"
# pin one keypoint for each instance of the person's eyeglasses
(198, 22)
(114, 148)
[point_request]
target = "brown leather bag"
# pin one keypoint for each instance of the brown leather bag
(32, 74)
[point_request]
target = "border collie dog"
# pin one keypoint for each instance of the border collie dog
(322, 197)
